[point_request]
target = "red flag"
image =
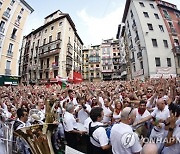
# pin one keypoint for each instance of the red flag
(77, 77)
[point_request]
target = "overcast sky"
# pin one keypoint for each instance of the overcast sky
(94, 19)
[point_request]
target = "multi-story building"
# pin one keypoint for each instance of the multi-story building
(94, 63)
(149, 44)
(85, 58)
(116, 60)
(13, 15)
(54, 49)
(171, 17)
(106, 59)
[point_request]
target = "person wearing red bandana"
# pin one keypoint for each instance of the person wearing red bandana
(140, 113)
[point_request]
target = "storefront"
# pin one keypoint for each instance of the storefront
(9, 80)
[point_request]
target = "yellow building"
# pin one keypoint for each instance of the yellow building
(54, 49)
(13, 14)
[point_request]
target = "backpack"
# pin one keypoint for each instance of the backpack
(92, 129)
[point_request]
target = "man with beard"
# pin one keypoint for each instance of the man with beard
(140, 113)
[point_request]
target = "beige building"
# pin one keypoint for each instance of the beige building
(85, 58)
(13, 15)
(54, 49)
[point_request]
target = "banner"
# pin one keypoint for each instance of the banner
(77, 77)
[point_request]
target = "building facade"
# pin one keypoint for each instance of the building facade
(148, 40)
(171, 17)
(13, 16)
(54, 49)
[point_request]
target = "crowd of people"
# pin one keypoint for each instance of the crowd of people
(112, 116)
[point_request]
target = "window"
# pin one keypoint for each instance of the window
(166, 15)
(158, 63)
(12, 2)
(176, 42)
(44, 41)
(141, 4)
(92, 74)
(152, 6)
(131, 14)
(0, 4)
(60, 24)
(8, 64)
(47, 75)
(58, 45)
(114, 54)
(141, 65)
(156, 15)
(58, 35)
(2, 26)
(22, 10)
(10, 48)
(115, 67)
(8, 10)
(150, 26)
(18, 19)
(146, 14)
(13, 35)
(56, 60)
(165, 43)
(169, 62)
(55, 73)
(47, 63)
(134, 67)
(41, 64)
(161, 28)
(178, 58)
(45, 31)
(52, 27)
(50, 38)
(170, 24)
(154, 42)
(40, 75)
(177, 14)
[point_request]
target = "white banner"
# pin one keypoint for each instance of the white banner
(162, 75)
(69, 150)
(165, 70)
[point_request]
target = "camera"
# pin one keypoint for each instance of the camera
(84, 106)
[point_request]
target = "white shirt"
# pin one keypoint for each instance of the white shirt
(100, 135)
(69, 122)
(163, 115)
(107, 113)
(74, 101)
(139, 116)
(175, 148)
(117, 133)
(86, 123)
(83, 115)
(22, 124)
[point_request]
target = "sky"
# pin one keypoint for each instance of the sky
(94, 20)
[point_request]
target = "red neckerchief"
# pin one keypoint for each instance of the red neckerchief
(117, 111)
(141, 112)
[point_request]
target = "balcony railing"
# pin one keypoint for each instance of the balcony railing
(7, 72)
(6, 15)
(139, 54)
(176, 49)
(173, 30)
(9, 53)
(13, 37)
(167, 16)
(49, 53)
(134, 27)
(132, 60)
(137, 39)
(2, 29)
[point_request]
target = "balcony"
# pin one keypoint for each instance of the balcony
(173, 31)
(139, 54)
(13, 37)
(116, 62)
(132, 60)
(97, 69)
(10, 54)
(129, 35)
(106, 63)
(2, 29)
(17, 23)
(91, 69)
(167, 16)
(49, 53)
(176, 49)
(6, 15)
(131, 47)
(106, 71)
(137, 41)
(7, 72)
(134, 27)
